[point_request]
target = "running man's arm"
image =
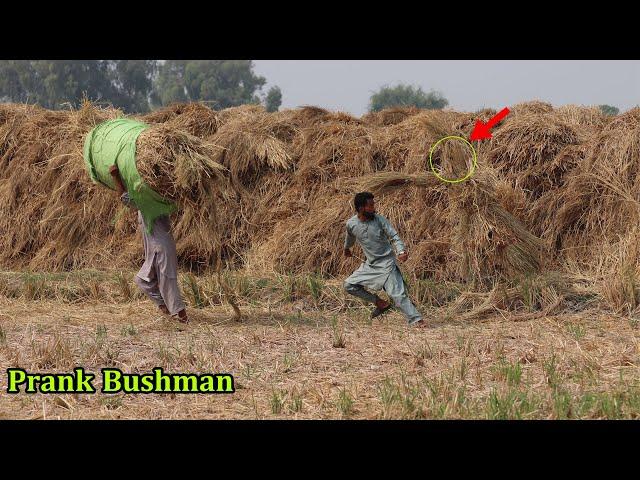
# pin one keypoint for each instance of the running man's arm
(349, 241)
(394, 238)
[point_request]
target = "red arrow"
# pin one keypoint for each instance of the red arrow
(481, 130)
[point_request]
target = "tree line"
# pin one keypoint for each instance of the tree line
(138, 86)
(135, 86)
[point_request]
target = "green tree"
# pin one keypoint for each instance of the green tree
(68, 81)
(222, 83)
(404, 96)
(52, 83)
(133, 84)
(133, 81)
(169, 86)
(609, 110)
(273, 99)
(16, 80)
(42, 82)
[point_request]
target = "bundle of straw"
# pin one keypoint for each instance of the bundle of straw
(176, 164)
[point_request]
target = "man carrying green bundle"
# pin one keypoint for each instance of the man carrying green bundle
(158, 277)
(374, 233)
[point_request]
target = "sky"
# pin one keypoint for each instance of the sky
(469, 85)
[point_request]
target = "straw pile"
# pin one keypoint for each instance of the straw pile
(272, 191)
(193, 118)
(48, 205)
(527, 150)
(175, 164)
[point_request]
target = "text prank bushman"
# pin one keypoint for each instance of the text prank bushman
(115, 381)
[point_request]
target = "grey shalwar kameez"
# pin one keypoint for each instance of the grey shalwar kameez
(380, 271)
(158, 277)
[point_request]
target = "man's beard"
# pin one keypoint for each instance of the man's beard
(369, 215)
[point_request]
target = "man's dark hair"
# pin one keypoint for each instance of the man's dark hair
(360, 200)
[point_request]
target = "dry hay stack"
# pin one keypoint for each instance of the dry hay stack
(290, 214)
(590, 118)
(490, 241)
(308, 132)
(307, 241)
(243, 111)
(257, 149)
(527, 150)
(332, 150)
(193, 118)
(534, 107)
(485, 114)
(164, 114)
(617, 271)
(454, 232)
(566, 176)
(601, 199)
(327, 148)
(465, 123)
(541, 151)
(197, 119)
(200, 240)
(51, 214)
(405, 146)
(308, 116)
(18, 121)
(452, 159)
(627, 120)
(251, 145)
(540, 214)
(309, 217)
(389, 116)
(175, 164)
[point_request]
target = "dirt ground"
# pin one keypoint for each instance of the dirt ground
(294, 361)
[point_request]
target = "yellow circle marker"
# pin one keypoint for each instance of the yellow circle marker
(473, 165)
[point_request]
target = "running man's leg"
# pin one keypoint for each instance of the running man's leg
(360, 292)
(395, 288)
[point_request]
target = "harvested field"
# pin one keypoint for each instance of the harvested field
(300, 355)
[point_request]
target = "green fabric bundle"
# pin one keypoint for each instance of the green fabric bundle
(114, 143)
